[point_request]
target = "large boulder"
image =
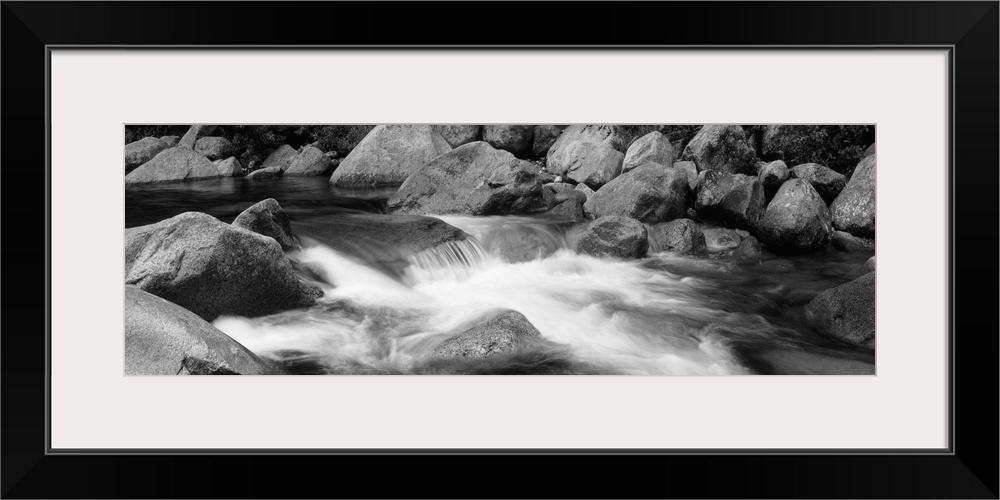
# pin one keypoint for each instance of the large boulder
(570, 209)
(557, 159)
(457, 135)
(389, 154)
(280, 158)
(267, 218)
(868, 152)
(721, 147)
(827, 182)
(543, 137)
(141, 151)
(614, 236)
(311, 161)
(772, 176)
(498, 332)
(847, 311)
(474, 179)
(265, 173)
(736, 200)
(653, 147)
(190, 138)
(835, 146)
(513, 138)
(869, 265)
(163, 338)
(854, 209)
(681, 236)
(173, 165)
(650, 193)
(796, 219)
(592, 164)
(212, 268)
(230, 167)
(386, 242)
(214, 148)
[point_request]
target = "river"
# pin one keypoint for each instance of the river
(662, 315)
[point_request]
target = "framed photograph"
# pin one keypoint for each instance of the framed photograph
(579, 250)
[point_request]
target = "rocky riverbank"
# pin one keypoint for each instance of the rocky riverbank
(726, 193)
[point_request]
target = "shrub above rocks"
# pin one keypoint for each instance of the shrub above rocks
(650, 193)
(163, 338)
(474, 179)
(614, 236)
(836, 146)
(389, 154)
(211, 268)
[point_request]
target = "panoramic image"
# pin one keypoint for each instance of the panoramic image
(429, 249)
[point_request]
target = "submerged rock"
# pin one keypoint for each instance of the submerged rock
(474, 179)
(265, 173)
(826, 182)
(497, 333)
(383, 241)
(173, 165)
(389, 154)
(267, 218)
(681, 236)
(847, 311)
(141, 151)
(736, 200)
(162, 338)
(212, 268)
(854, 209)
(653, 147)
(614, 236)
(651, 193)
(850, 243)
(796, 219)
(721, 147)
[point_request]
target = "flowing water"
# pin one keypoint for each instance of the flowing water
(662, 315)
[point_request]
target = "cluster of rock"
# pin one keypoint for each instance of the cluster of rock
(185, 271)
(199, 156)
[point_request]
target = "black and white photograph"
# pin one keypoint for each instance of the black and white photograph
(433, 249)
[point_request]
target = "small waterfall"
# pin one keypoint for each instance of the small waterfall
(452, 259)
(516, 239)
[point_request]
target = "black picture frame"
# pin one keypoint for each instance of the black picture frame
(969, 469)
